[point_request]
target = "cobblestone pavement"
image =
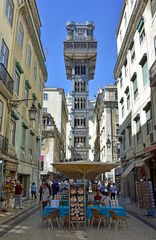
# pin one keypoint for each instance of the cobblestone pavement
(33, 228)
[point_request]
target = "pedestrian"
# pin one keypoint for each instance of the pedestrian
(54, 188)
(45, 195)
(18, 195)
(113, 191)
(41, 191)
(33, 191)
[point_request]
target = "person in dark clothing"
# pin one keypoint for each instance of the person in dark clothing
(41, 192)
(18, 195)
(54, 188)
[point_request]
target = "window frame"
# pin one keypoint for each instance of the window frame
(9, 11)
(16, 74)
(20, 35)
(12, 132)
(4, 53)
(29, 56)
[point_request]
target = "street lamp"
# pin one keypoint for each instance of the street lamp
(108, 143)
(15, 104)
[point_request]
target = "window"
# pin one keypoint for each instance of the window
(120, 35)
(132, 50)
(45, 96)
(141, 30)
(127, 97)
(121, 80)
(125, 19)
(23, 137)
(9, 10)
(12, 133)
(29, 54)
(122, 107)
(129, 135)
(79, 141)
(26, 95)
(122, 110)
(145, 71)
(153, 7)
(80, 86)
(1, 114)
(149, 121)
(155, 45)
(31, 143)
(20, 36)
(35, 70)
(80, 103)
(80, 122)
(138, 130)
(123, 140)
(42, 165)
(125, 68)
(4, 54)
(45, 109)
(135, 85)
(16, 81)
(80, 69)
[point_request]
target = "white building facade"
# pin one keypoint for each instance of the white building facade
(55, 117)
(106, 142)
(136, 53)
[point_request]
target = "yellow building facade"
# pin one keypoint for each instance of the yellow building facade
(22, 77)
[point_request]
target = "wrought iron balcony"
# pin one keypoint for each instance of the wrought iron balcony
(152, 73)
(3, 145)
(6, 82)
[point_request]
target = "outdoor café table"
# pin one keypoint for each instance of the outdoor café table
(63, 210)
(104, 210)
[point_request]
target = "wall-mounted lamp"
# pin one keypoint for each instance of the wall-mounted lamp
(108, 143)
(15, 104)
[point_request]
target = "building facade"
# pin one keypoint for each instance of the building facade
(136, 54)
(22, 76)
(80, 58)
(106, 127)
(55, 117)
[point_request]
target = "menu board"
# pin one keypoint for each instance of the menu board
(77, 203)
(143, 194)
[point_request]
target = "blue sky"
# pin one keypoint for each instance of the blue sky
(55, 13)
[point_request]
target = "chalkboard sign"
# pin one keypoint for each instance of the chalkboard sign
(77, 203)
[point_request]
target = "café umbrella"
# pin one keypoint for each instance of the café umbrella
(84, 169)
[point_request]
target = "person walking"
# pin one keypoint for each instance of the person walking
(45, 195)
(33, 191)
(113, 191)
(18, 195)
(41, 191)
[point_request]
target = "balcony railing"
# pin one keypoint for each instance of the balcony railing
(152, 73)
(3, 145)
(47, 128)
(6, 78)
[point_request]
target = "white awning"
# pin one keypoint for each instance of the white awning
(128, 170)
(132, 165)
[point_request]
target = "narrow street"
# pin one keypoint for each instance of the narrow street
(32, 228)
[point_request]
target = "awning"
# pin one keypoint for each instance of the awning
(84, 169)
(128, 170)
(151, 148)
(132, 165)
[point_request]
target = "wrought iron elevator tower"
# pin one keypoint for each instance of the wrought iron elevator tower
(80, 50)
